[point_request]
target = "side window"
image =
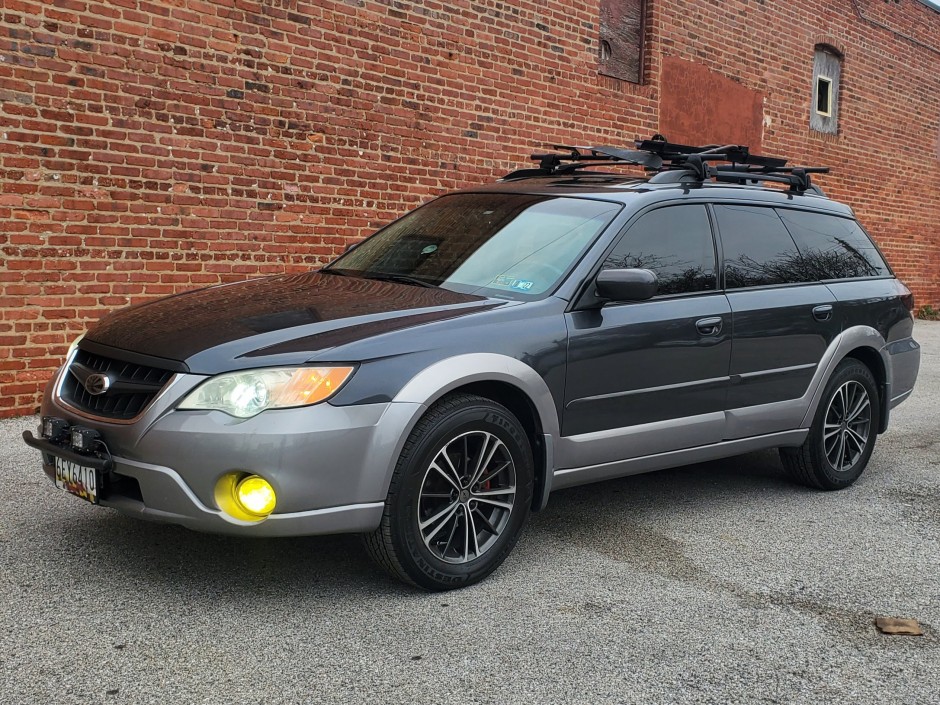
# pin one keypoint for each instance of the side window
(676, 243)
(758, 249)
(833, 247)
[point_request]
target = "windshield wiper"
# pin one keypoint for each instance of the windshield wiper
(379, 276)
(401, 278)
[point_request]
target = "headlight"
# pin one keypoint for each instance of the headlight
(249, 392)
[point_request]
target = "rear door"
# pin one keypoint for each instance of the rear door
(653, 362)
(784, 317)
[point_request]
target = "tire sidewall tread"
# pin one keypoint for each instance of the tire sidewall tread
(808, 464)
(396, 544)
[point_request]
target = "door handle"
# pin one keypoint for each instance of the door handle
(709, 326)
(823, 313)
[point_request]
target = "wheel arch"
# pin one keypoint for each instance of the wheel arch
(521, 406)
(862, 343)
(872, 359)
(502, 379)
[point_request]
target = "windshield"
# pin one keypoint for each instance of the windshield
(515, 245)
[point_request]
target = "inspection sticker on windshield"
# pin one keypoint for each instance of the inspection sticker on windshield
(513, 283)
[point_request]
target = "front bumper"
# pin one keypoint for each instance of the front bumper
(330, 466)
(178, 504)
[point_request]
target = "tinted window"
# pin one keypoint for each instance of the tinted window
(516, 245)
(674, 242)
(758, 249)
(833, 247)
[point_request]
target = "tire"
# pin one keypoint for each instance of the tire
(449, 523)
(837, 449)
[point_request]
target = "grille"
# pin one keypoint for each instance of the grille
(130, 388)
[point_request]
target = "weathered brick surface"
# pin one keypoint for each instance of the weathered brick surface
(152, 146)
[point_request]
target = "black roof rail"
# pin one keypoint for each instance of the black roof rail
(730, 163)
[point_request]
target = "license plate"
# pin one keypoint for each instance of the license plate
(81, 481)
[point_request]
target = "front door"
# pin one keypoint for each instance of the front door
(651, 376)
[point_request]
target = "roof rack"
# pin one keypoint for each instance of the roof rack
(730, 163)
(579, 158)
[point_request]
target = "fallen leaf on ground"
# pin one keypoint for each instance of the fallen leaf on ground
(893, 625)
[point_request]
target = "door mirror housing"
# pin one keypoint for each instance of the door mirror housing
(626, 284)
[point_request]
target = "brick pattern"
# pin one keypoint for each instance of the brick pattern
(147, 147)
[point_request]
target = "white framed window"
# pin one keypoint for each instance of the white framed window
(824, 96)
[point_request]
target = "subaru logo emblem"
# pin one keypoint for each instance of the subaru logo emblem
(96, 384)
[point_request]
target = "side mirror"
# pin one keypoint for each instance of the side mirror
(626, 284)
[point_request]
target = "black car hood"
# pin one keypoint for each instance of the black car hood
(282, 319)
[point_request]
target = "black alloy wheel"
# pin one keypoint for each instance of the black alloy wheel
(459, 497)
(842, 436)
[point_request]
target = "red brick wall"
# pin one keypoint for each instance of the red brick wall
(149, 147)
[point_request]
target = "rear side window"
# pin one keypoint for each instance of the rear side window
(675, 243)
(833, 247)
(758, 250)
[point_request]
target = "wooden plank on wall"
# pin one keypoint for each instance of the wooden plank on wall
(621, 54)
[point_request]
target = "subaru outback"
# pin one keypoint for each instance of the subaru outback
(433, 385)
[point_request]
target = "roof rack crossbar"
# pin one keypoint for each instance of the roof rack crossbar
(797, 178)
(748, 169)
(550, 168)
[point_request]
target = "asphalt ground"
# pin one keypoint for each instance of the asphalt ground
(714, 583)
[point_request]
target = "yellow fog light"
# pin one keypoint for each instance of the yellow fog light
(255, 495)
(245, 497)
